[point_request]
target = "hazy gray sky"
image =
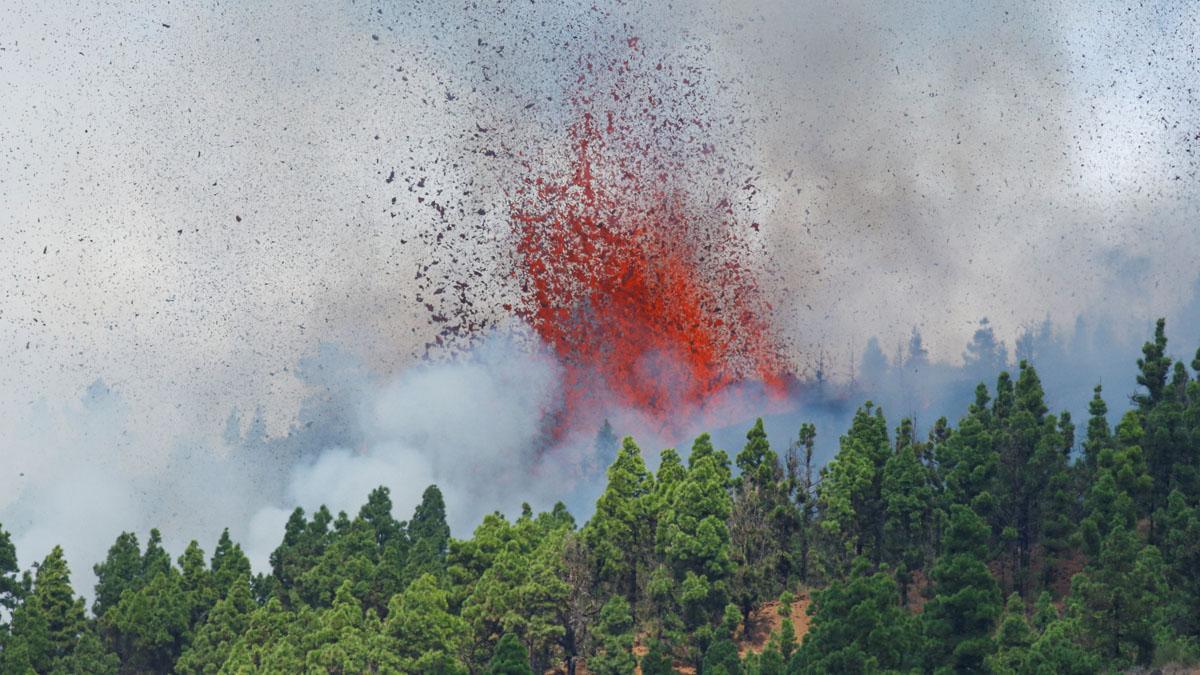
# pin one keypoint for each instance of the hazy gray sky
(193, 196)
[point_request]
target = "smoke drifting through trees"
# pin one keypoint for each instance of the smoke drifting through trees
(473, 426)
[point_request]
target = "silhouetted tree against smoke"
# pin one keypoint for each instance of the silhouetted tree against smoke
(984, 355)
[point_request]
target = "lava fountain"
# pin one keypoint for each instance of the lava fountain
(645, 293)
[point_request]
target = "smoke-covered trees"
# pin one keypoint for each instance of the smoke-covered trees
(904, 545)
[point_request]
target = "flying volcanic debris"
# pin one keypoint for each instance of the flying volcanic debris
(626, 252)
(645, 292)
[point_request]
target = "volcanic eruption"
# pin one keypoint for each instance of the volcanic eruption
(644, 292)
(631, 256)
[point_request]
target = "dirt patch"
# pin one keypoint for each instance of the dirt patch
(753, 635)
(765, 620)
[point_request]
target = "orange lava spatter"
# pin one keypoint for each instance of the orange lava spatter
(644, 292)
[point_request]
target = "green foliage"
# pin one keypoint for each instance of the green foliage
(11, 589)
(1013, 639)
(215, 637)
(427, 637)
(959, 621)
(762, 523)
(850, 493)
(229, 564)
(121, 570)
(618, 533)
(1119, 598)
(769, 662)
(693, 541)
(614, 633)
(1181, 552)
(722, 658)
(522, 593)
(858, 626)
(680, 560)
(149, 627)
(428, 536)
(49, 624)
(510, 658)
(657, 660)
(908, 503)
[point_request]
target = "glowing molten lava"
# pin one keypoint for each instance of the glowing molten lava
(643, 293)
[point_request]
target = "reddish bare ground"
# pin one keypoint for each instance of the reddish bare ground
(766, 620)
(918, 590)
(752, 636)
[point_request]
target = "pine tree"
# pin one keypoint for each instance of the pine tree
(1119, 597)
(90, 657)
(959, 621)
(908, 502)
(214, 639)
(302, 544)
(47, 627)
(802, 487)
(427, 637)
(657, 660)
(347, 639)
(1044, 612)
(1153, 368)
(121, 570)
(849, 496)
(721, 658)
(693, 539)
(984, 355)
(671, 472)
(228, 565)
(428, 535)
(614, 633)
(155, 560)
(196, 585)
(509, 659)
(604, 449)
(1181, 552)
(702, 447)
(968, 462)
(762, 521)
(11, 589)
(1033, 480)
(1013, 639)
(1058, 652)
(149, 627)
(858, 626)
(1098, 435)
(617, 534)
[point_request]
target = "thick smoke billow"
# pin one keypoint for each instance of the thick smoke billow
(472, 426)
